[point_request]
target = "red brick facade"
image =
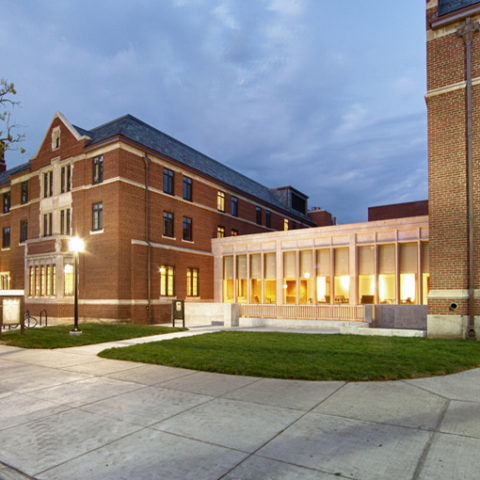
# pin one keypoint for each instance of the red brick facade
(447, 103)
(398, 210)
(114, 268)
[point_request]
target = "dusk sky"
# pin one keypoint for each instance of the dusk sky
(326, 96)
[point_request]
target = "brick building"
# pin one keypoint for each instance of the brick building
(453, 101)
(147, 207)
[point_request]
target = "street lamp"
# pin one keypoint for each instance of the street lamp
(76, 245)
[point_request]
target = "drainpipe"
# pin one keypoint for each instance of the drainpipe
(147, 238)
(466, 32)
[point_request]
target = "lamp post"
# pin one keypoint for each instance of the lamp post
(76, 245)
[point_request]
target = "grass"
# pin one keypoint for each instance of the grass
(308, 357)
(59, 337)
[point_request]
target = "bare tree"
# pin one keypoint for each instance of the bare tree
(8, 137)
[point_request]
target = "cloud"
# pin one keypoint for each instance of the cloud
(284, 91)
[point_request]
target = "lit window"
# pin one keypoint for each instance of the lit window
(23, 230)
(285, 224)
(221, 201)
(24, 195)
(168, 224)
(168, 177)
(6, 202)
(187, 229)
(68, 280)
(220, 231)
(5, 281)
(259, 215)
(234, 232)
(97, 216)
(187, 189)
(235, 206)
(97, 165)
(42, 281)
(167, 281)
(65, 179)
(192, 282)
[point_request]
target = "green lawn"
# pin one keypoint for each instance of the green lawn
(308, 357)
(58, 337)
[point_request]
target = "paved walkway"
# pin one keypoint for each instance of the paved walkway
(68, 414)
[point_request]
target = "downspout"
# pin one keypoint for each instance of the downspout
(147, 238)
(466, 32)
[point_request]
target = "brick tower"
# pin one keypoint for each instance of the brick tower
(453, 103)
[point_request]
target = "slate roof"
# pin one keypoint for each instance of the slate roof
(449, 6)
(12, 171)
(134, 129)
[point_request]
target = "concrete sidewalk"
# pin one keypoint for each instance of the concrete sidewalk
(67, 414)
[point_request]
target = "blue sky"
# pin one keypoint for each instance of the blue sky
(327, 96)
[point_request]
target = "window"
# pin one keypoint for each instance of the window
(187, 189)
(24, 194)
(23, 230)
(290, 277)
(259, 215)
(228, 279)
(285, 224)
(65, 179)
(56, 138)
(68, 280)
(270, 277)
(47, 184)
(97, 216)
(299, 203)
(168, 177)
(220, 231)
(65, 217)
(167, 281)
(168, 224)
(192, 282)
(234, 232)
(235, 206)
(268, 219)
(42, 280)
(5, 281)
(187, 229)
(47, 224)
(221, 201)
(256, 278)
(97, 176)
(6, 237)
(341, 272)
(6, 202)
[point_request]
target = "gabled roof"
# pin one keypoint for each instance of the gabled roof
(140, 132)
(449, 6)
(12, 171)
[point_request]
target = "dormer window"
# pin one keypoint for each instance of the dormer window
(56, 138)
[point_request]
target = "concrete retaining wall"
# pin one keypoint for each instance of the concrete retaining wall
(400, 316)
(197, 314)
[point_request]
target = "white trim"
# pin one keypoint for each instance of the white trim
(96, 232)
(12, 293)
(170, 247)
(461, 294)
(451, 88)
